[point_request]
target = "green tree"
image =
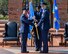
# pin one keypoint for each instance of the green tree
(4, 7)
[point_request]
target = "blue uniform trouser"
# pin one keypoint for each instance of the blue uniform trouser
(45, 40)
(24, 42)
(38, 43)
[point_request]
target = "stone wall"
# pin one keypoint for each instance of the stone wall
(14, 10)
(63, 11)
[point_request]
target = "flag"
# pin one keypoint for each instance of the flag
(31, 10)
(31, 15)
(56, 23)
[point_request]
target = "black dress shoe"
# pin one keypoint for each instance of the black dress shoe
(25, 52)
(37, 50)
(43, 52)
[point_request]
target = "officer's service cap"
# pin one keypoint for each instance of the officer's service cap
(44, 3)
(23, 8)
(38, 6)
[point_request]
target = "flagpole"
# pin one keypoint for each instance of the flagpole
(56, 20)
(26, 4)
(36, 30)
(34, 19)
(56, 31)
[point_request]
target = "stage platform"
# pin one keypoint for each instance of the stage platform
(16, 50)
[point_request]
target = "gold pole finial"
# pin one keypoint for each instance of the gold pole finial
(30, 0)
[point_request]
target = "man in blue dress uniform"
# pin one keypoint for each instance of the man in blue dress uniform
(45, 26)
(24, 30)
(38, 43)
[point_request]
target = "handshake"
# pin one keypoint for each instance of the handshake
(35, 21)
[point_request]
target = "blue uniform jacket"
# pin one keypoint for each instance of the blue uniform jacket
(24, 24)
(37, 15)
(44, 21)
